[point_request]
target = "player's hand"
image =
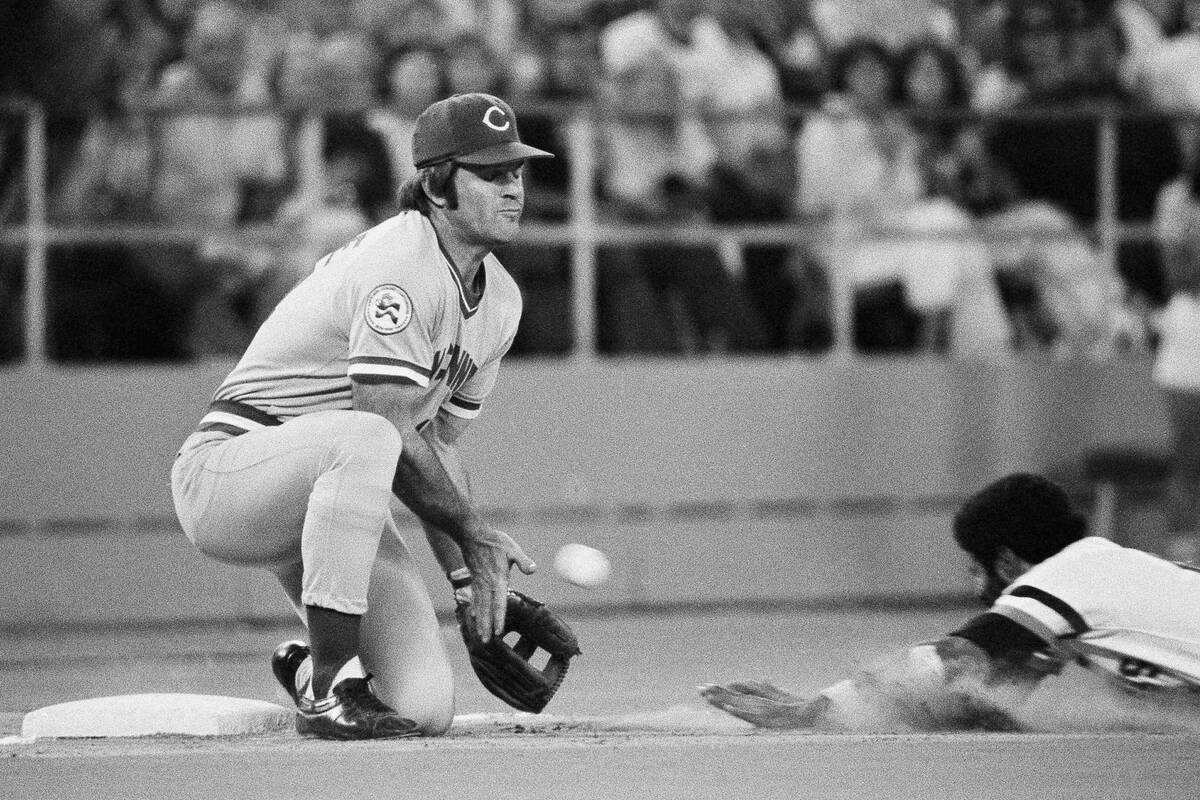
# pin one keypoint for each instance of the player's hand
(489, 556)
(763, 705)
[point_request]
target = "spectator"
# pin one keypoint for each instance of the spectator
(893, 23)
(742, 96)
(1137, 31)
(669, 297)
(1177, 361)
(858, 172)
(471, 67)
(70, 57)
(220, 158)
(785, 286)
(496, 22)
(398, 25)
(1171, 78)
(959, 182)
(934, 91)
(1035, 46)
(675, 31)
(358, 188)
(1054, 160)
(801, 58)
(412, 80)
(217, 139)
(563, 68)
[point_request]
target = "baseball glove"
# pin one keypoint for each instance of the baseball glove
(505, 670)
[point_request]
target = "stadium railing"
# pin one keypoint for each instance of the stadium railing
(583, 232)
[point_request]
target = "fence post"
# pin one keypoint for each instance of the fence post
(35, 310)
(581, 130)
(1107, 200)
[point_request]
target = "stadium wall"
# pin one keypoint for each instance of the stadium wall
(774, 480)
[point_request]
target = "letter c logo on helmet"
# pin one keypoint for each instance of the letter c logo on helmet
(487, 119)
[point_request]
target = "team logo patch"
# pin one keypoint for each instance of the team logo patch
(388, 309)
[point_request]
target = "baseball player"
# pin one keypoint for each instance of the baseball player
(1056, 595)
(355, 388)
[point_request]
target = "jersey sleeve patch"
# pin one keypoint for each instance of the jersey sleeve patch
(388, 309)
(388, 368)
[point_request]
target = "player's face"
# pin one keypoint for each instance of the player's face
(490, 202)
(988, 584)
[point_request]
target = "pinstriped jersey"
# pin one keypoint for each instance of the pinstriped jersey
(1122, 611)
(389, 306)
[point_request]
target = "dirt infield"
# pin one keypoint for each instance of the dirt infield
(628, 724)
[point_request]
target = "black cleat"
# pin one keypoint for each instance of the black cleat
(351, 711)
(285, 661)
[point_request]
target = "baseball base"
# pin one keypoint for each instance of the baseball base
(156, 715)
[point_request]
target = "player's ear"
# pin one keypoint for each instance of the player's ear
(435, 193)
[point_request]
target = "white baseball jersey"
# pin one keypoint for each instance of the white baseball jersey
(388, 306)
(1123, 611)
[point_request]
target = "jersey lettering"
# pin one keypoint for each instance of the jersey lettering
(454, 365)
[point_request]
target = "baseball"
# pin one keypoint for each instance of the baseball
(582, 566)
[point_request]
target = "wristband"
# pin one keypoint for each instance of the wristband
(460, 579)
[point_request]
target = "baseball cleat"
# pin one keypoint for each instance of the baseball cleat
(351, 711)
(285, 662)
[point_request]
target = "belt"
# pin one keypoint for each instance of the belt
(235, 418)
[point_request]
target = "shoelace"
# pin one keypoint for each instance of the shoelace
(356, 693)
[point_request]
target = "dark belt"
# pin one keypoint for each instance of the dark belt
(254, 416)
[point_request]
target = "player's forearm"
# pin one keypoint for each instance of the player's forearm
(421, 480)
(424, 485)
(947, 685)
(445, 549)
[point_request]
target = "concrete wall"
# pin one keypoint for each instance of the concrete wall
(773, 480)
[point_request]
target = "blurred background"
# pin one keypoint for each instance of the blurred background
(802, 276)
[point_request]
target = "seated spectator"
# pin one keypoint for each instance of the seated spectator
(802, 59)
(1177, 358)
(471, 67)
(1035, 45)
(893, 23)
(358, 187)
(560, 66)
(217, 138)
(1054, 160)
(1082, 39)
(411, 81)
(1171, 74)
(665, 297)
(784, 285)
(1125, 24)
(894, 249)
(741, 95)
(221, 156)
(396, 25)
(935, 91)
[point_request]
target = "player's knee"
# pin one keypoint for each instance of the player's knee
(433, 709)
(368, 437)
(437, 724)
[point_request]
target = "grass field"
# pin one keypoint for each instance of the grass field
(627, 724)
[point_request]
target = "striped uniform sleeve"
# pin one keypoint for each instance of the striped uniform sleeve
(467, 402)
(388, 339)
(1043, 613)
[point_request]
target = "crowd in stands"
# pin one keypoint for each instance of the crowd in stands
(929, 145)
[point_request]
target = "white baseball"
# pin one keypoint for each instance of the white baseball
(582, 566)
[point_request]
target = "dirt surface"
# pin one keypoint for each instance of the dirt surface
(627, 724)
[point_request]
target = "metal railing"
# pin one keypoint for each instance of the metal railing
(583, 233)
